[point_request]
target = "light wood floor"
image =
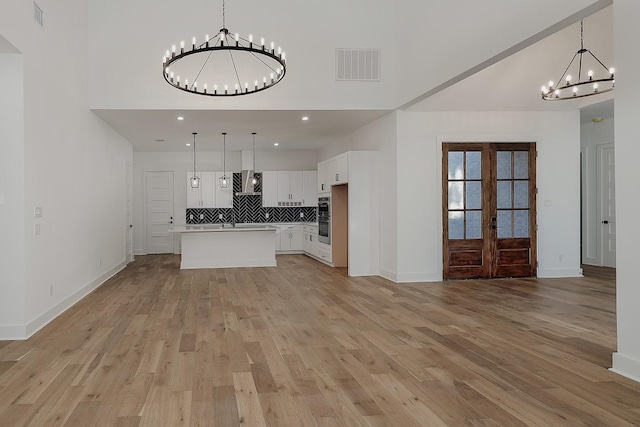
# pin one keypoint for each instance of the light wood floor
(302, 344)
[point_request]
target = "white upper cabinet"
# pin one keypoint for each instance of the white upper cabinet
(310, 188)
(203, 196)
(223, 196)
(340, 169)
(334, 171)
(208, 194)
(324, 185)
(270, 189)
(287, 188)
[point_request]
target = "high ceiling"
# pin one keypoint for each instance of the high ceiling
(512, 83)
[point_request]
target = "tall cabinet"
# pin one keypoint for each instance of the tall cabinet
(351, 180)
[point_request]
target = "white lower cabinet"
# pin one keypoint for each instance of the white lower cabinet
(324, 252)
(310, 240)
(290, 238)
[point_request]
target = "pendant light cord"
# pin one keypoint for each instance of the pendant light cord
(194, 153)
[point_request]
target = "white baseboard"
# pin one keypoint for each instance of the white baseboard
(389, 275)
(139, 252)
(232, 263)
(626, 366)
(13, 332)
(42, 320)
(556, 273)
(419, 277)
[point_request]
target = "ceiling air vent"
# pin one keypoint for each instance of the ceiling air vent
(37, 14)
(358, 65)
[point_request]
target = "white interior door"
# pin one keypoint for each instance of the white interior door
(607, 203)
(128, 213)
(159, 207)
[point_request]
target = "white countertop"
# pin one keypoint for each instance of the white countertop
(203, 228)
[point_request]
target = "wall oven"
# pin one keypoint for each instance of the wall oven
(324, 220)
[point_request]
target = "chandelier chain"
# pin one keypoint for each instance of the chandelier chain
(236, 70)
(201, 68)
(224, 25)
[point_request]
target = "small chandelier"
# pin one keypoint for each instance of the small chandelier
(224, 65)
(254, 179)
(591, 85)
(195, 179)
(224, 179)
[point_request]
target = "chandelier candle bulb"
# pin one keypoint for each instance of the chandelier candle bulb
(262, 42)
(182, 47)
(246, 87)
(612, 71)
(193, 43)
(255, 85)
(264, 82)
(205, 88)
(206, 39)
(590, 74)
(595, 87)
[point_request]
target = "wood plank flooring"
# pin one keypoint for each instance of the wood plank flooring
(303, 344)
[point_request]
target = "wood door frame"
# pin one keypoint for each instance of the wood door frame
(491, 246)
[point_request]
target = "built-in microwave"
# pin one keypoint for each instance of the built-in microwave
(324, 220)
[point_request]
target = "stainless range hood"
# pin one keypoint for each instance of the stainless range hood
(247, 174)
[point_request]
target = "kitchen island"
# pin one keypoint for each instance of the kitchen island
(218, 246)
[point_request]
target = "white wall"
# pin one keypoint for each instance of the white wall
(592, 135)
(627, 360)
(73, 165)
(309, 32)
(435, 45)
(12, 254)
(420, 137)
(181, 163)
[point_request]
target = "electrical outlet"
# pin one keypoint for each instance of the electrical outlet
(191, 216)
(220, 216)
(36, 229)
(37, 212)
(266, 215)
(301, 214)
(201, 216)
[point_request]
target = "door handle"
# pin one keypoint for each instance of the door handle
(130, 225)
(170, 222)
(605, 222)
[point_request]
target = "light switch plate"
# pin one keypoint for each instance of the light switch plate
(37, 212)
(36, 229)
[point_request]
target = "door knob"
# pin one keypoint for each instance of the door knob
(605, 222)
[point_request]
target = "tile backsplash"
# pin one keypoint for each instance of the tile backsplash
(248, 209)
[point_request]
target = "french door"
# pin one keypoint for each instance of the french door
(489, 210)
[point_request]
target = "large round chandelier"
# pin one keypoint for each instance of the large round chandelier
(585, 85)
(225, 64)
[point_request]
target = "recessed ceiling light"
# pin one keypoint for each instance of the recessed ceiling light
(305, 118)
(159, 140)
(597, 119)
(275, 144)
(180, 118)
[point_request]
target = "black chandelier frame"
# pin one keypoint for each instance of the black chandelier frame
(570, 90)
